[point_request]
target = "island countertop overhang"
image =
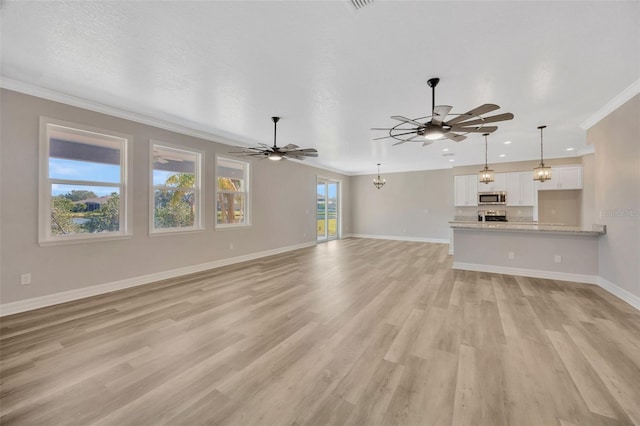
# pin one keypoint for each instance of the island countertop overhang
(540, 228)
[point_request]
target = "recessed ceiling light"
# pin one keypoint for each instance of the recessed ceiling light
(446, 149)
(570, 149)
(502, 155)
(451, 160)
(507, 142)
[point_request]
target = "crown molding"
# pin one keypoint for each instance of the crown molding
(612, 105)
(589, 149)
(172, 124)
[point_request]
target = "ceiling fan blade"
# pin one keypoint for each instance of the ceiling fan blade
(399, 134)
(407, 120)
(380, 128)
(482, 109)
(486, 129)
(290, 147)
(454, 137)
(440, 113)
(309, 152)
(494, 118)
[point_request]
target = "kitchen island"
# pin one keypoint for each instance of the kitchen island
(539, 250)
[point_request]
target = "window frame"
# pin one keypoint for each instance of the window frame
(198, 190)
(247, 194)
(45, 183)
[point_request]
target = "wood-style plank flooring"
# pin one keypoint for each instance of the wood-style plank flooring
(357, 332)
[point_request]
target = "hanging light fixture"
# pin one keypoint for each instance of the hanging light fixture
(485, 175)
(542, 172)
(377, 182)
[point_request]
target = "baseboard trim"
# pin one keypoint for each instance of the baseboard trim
(393, 237)
(533, 273)
(619, 292)
(81, 293)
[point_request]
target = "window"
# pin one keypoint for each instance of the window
(83, 183)
(232, 192)
(175, 193)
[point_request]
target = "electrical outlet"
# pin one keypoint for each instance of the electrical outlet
(25, 279)
(557, 258)
(512, 255)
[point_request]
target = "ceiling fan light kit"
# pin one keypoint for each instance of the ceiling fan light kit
(541, 173)
(436, 127)
(485, 175)
(377, 182)
(275, 152)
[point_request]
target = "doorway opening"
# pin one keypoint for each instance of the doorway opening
(327, 211)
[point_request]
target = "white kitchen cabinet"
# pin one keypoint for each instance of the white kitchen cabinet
(466, 190)
(520, 189)
(564, 177)
(499, 183)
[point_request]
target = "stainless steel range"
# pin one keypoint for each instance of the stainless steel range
(492, 215)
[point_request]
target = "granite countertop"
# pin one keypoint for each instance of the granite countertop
(530, 227)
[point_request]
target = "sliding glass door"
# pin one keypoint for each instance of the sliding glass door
(327, 209)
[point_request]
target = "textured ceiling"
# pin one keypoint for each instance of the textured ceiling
(333, 72)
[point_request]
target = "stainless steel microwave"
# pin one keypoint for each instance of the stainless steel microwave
(492, 198)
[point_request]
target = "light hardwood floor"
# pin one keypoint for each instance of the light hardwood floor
(357, 331)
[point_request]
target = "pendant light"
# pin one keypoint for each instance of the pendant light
(542, 172)
(485, 175)
(377, 182)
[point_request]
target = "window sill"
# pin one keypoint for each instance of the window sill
(83, 239)
(174, 231)
(226, 227)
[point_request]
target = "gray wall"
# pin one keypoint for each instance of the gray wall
(411, 205)
(588, 200)
(283, 209)
(532, 251)
(617, 195)
(562, 206)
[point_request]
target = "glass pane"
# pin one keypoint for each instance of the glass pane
(174, 209)
(230, 169)
(174, 167)
(231, 184)
(78, 209)
(175, 180)
(83, 170)
(230, 208)
(332, 210)
(321, 195)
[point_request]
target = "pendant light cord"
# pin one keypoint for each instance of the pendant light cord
(541, 153)
(486, 149)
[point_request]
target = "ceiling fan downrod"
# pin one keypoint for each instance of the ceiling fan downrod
(275, 125)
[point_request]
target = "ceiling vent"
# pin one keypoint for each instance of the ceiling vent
(359, 4)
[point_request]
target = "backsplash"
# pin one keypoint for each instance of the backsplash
(514, 214)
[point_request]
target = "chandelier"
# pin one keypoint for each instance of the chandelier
(485, 175)
(542, 172)
(377, 182)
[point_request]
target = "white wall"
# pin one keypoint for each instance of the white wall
(283, 209)
(413, 205)
(617, 194)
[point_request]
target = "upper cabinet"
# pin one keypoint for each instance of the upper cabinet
(564, 177)
(520, 189)
(499, 183)
(466, 190)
